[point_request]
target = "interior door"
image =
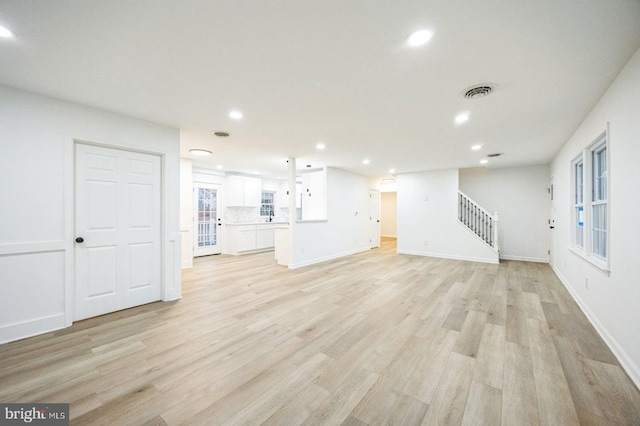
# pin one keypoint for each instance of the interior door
(207, 220)
(118, 234)
(374, 217)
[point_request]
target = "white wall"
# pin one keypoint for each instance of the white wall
(36, 211)
(346, 230)
(428, 219)
(186, 211)
(519, 195)
(611, 302)
(388, 214)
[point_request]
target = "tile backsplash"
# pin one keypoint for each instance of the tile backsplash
(252, 215)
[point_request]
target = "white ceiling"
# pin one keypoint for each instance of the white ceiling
(334, 71)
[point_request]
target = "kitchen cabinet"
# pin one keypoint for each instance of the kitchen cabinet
(283, 196)
(243, 191)
(247, 238)
(264, 236)
(314, 195)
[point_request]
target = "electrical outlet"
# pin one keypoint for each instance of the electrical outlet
(425, 243)
(586, 283)
(302, 251)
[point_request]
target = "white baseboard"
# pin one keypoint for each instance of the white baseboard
(627, 363)
(450, 256)
(525, 259)
(326, 258)
(19, 331)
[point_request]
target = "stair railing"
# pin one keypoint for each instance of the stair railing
(478, 220)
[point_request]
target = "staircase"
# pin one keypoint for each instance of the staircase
(478, 220)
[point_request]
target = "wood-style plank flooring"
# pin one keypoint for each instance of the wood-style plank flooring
(371, 339)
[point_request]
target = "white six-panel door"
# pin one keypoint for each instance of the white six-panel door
(118, 234)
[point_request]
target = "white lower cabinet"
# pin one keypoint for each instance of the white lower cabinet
(247, 239)
(242, 239)
(264, 236)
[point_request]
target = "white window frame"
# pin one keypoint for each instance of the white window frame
(578, 203)
(595, 246)
(272, 204)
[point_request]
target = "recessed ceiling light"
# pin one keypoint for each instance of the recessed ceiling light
(202, 152)
(392, 170)
(461, 118)
(6, 33)
(219, 167)
(236, 115)
(255, 173)
(320, 146)
(419, 38)
(485, 161)
(366, 161)
(476, 147)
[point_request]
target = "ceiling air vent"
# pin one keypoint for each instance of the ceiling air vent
(222, 134)
(478, 91)
(496, 154)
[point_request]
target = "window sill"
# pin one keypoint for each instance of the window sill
(600, 264)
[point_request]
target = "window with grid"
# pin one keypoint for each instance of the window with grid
(590, 203)
(578, 208)
(599, 202)
(267, 206)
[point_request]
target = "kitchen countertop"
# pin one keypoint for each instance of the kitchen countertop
(256, 223)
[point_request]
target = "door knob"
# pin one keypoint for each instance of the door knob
(552, 227)
(79, 240)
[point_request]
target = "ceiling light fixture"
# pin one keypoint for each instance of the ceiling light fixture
(419, 38)
(320, 146)
(476, 147)
(366, 161)
(219, 167)
(392, 171)
(461, 118)
(6, 33)
(202, 152)
(485, 161)
(236, 115)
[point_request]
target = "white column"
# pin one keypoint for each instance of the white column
(292, 206)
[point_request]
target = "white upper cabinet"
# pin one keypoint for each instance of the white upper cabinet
(243, 191)
(282, 195)
(314, 195)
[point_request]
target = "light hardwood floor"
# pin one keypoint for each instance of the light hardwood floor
(375, 338)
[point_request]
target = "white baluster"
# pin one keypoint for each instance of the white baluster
(495, 231)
